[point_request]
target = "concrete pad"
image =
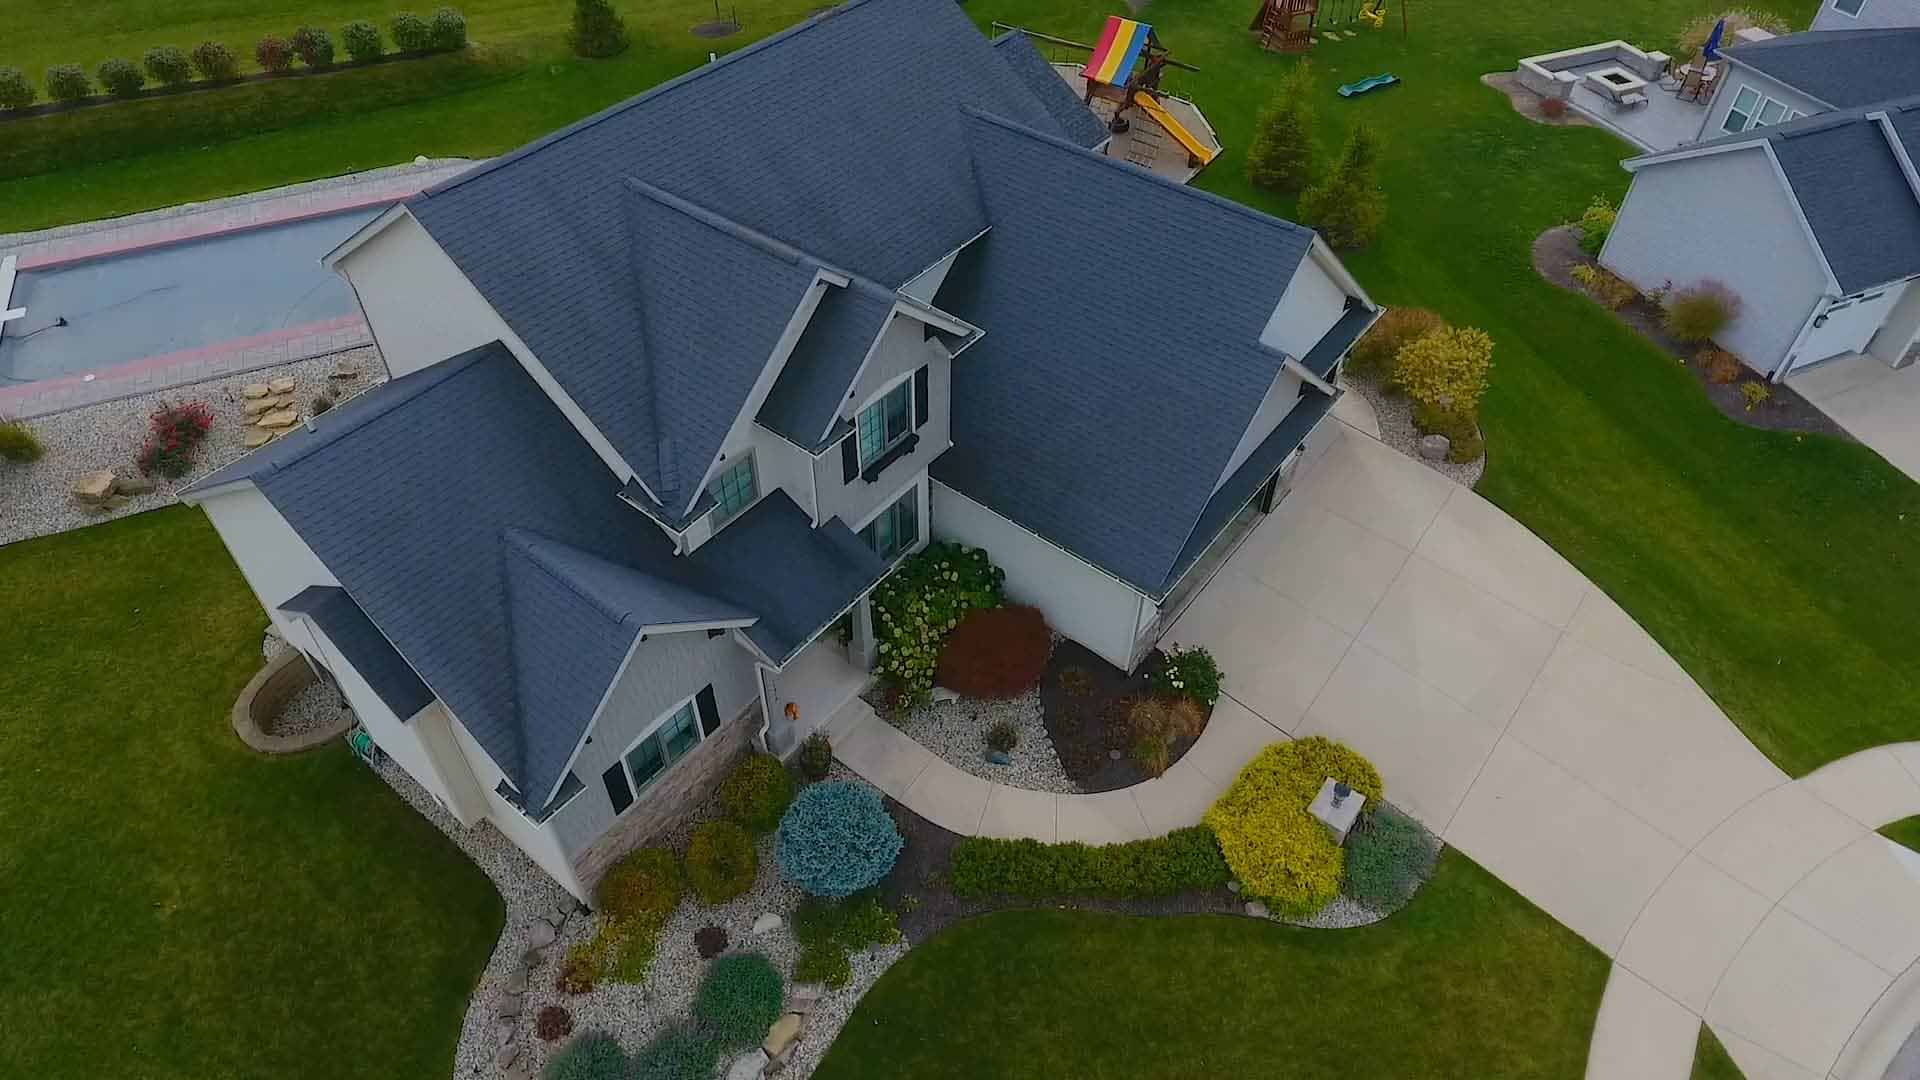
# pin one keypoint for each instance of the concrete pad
(949, 797)
(1640, 1033)
(1773, 841)
(1873, 402)
(1759, 1063)
(1605, 626)
(1796, 992)
(1563, 845)
(1478, 541)
(1455, 636)
(1887, 1030)
(1872, 787)
(1177, 799)
(1867, 898)
(1016, 814)
(1822, 382)
(1322, 561)
(886, 757)
(1233, 736)
(1357, 413)
(1274, 655)
(1662, 750)
(1379, 488)
(1427, 746)
(1691, 930)
(1109, 817)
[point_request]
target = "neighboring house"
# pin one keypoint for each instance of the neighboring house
(1866, 14)
(674, 388)
(1813, 222)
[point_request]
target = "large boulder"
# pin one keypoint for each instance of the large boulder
(95, 487)
(1435, 447)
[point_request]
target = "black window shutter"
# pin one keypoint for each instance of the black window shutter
(617, 788)
(850, 458)
(709, 711)
(920, 396)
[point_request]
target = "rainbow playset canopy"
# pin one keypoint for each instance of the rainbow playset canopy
(1114, 58)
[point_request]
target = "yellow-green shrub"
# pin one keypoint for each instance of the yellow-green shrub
(1275, 847)
(1447, 368)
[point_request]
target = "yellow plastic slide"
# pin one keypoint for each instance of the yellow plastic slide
(1200, 151)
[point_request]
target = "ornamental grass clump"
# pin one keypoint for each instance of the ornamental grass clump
(836, 839)
(636, 898)
(1698, 312)
(995, 653)
(1388, 856)
(1278, 850)
(721, 862)
(18, 443)
(739, 999)
(1607, 289)
(756, 793)
(174, 434)
(1596, 221)
(921, 603)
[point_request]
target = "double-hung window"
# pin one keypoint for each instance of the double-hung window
(733, 490)
(665, 743)
(885, 422)
(896, 528)
(1740, 113)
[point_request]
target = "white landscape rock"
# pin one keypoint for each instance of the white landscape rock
(748, 1066)
(767, 923)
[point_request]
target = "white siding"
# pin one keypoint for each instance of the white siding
(1085, 604)
(1281, 397)
(272, 557)
(1877, 14)
(857, 501)
(1737, 77)
(928, 282)
(1897, 334)
(538, 841)
(1311, 305)
(1724, 216)
(780, 465)
(421, 308)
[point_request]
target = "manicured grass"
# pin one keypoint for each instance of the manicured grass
(175, 905)
(1711, 1060)
(1468, 980)
(1905, 832)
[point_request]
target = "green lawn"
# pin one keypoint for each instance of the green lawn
(1711, 1061)
(175, 905)
(1905, 832)
(1468, 980)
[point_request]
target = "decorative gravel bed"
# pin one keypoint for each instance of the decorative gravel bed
(36, 499)
(957, 731)
(315, 706)
(1397, 430)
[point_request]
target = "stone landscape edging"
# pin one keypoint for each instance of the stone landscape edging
(278, 680)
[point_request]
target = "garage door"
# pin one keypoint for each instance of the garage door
(1847, 325)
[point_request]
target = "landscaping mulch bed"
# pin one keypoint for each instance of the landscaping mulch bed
(1527, 103)
(1087, 728)
(1557, 251)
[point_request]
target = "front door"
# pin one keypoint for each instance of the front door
(1848, 324)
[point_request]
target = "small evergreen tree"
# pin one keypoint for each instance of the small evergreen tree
(15, 91)
(1281, 156)
(1347, 205)
(598, 30)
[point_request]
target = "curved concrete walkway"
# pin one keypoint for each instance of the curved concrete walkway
(1528, 720)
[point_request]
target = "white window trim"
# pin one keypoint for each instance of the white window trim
(913, 418)
(700, 737)
(754, 467)
(1855, 13)
(922, 508)
(1788, 113)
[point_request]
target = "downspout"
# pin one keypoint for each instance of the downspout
(1806, 329)
(760, 672)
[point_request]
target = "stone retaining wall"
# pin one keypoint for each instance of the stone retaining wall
(266, 694)
(1551, 75)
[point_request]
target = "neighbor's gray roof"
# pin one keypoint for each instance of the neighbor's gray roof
(807, 397)
(1843, 68)
(483, 536)
(1077, 122)
(840, 138)
(1099, 425)
(363, 646)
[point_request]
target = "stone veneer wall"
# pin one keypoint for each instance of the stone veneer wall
(657, 810)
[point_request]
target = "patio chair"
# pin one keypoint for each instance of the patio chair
(1703, 84)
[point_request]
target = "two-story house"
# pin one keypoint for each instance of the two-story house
(675, 387)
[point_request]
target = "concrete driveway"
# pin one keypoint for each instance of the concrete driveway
(1526, 718)
(1875, 403)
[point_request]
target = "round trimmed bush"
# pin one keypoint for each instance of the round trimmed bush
(721, 862)
(595, 1055)
(836, 839)
(313, 45)
(120, 78)
(448, 29)
(362, 40)
(215, 62)
(1372, 356)
(273, 54)
(1275, 847)
(410, 32)
(682, 1053)
(552, 1022)
(757, 792)
(995, 653)
(66, 82)
(1388, 857)
(15, 91)
(739, 999)
(168, 65)
(1700, 311)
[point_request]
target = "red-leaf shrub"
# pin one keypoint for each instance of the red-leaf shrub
(1553, 108)
(174, 432)
(273, 54)
(552, 1022)
(996, 652)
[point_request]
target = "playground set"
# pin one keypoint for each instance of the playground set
(1292, 26)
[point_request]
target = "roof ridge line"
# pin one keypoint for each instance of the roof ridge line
(723, 224)
(517, 539)
(619, 107)
(1135, 171)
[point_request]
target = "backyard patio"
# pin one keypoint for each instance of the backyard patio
(1631, 92)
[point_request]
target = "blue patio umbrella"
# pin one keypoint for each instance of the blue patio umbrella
(1712, 50)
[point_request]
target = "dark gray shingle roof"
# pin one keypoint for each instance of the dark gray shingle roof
(364, 646)
(807, 396)
(1856, 197)
(1099, 425)
(1076, 121)
(1843, 68)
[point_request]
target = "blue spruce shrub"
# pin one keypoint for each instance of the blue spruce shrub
(836, 839)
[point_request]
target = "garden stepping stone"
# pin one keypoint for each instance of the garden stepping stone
(503, 1033)
(522, 1071)
(516, 981)
(280, 418)
(281, 385)
(344, 371)
(254, 390)
(556, 917)
(540, 935)
(506, 1056)
(748, 1066)
(804, 1000)
(260, 405)
(1256, 909)
(258, 437)
(132, 485)
(767, 923)
(509, 1005)
(785, 1030)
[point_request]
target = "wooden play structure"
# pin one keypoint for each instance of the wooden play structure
(1292, 26)
(1125, 69)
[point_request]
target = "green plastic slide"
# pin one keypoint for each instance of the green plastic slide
(1374, 82)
